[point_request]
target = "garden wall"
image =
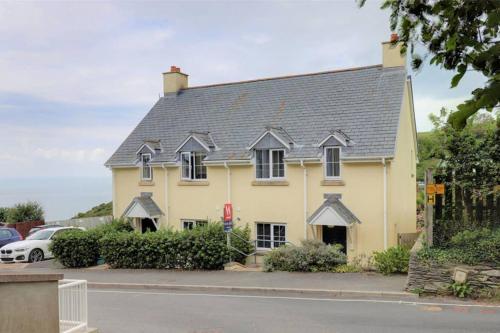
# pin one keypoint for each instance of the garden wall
(24, 227)
(432, 278)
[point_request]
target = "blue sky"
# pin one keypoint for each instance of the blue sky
(76, 78)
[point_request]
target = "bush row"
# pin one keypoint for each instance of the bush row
(201, 248)
(312, 256)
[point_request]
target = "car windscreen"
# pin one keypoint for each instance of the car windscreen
(41, 235)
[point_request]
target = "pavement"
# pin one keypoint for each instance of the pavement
(283, 283)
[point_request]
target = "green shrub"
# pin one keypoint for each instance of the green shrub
(311, 256)
(392, 260)
(76, 248)
(199, 248)
(22, 212)
(475, 247)
(241, 242)
(461, 290)
(3, 214)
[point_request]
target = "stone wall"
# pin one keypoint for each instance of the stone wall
(433, 278)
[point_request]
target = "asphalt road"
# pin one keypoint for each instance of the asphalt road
(150, 311)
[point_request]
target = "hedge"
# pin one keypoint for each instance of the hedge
(201, 248)
(78, 248)
(312, 256)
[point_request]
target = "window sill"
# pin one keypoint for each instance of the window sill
(146, 183)
(332, 182)
(193, 183)
(270, 183)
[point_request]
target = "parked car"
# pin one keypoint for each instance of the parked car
(34, 248)
(41, 227)
(9, 235)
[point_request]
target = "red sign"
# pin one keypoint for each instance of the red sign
(228, 212)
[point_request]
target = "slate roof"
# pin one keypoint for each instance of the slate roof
(338, 207)
(363, 103)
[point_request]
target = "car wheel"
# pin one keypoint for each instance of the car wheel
(36, 255)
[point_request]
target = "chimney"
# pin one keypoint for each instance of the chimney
(174, 80)
(391, 53)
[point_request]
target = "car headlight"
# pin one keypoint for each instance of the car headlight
(21, 249)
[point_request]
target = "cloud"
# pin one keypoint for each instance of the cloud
(72, 155)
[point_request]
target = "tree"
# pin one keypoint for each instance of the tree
(459, 35)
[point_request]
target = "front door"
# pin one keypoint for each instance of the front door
(147, 225)
(335, 235)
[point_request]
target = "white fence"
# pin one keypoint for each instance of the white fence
(72, 306)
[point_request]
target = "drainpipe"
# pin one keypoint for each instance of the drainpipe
(228, 181)
(113, 191)
(385, 202)
(305, 198)
(165, 173)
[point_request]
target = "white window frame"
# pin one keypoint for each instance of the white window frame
(191, 157)
(148, 166)
(271, 177)
(272, 240)
(325, 163)
(196, 223)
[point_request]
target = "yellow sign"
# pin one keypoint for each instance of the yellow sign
(431, 199)
(439, 188)
(431, 188)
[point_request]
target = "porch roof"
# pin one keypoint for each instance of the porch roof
(334, 213)
(143, 207)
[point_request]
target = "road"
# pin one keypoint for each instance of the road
(155, 311)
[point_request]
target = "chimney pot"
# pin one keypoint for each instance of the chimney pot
(175, 69)
(394, 37)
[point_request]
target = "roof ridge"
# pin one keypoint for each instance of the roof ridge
(286, 76)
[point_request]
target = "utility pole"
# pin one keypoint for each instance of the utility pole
(430, 199)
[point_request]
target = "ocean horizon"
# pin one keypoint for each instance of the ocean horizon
(61, 198)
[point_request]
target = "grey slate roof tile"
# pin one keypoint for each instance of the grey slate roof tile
(364, 103)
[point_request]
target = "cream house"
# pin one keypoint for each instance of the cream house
(329, 156)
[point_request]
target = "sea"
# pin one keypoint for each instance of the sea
(61, 198)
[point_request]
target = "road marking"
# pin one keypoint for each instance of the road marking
(300, 298)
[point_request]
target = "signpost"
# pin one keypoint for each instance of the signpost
(228, 225)
(430, 200)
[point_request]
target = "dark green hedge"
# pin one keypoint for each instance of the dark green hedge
(78, 248)
(201, 248)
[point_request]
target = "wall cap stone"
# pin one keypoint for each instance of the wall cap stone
(11, 277)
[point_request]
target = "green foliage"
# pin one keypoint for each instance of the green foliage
(458, 35)
(393, 260)
(103, 209)
(76, 248)
(312, 256)
(4, 211)
(200, 248)
(22, 212)
(461, 290)
(241, 243)
(474, 247)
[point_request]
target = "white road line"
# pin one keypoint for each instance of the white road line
(296, 298)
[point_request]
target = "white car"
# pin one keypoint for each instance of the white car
(34, 248)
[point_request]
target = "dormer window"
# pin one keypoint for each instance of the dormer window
(146, 169)
(332, 162)
(269, 163)
(192, 166)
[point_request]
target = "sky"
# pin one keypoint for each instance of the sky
(77, 77)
